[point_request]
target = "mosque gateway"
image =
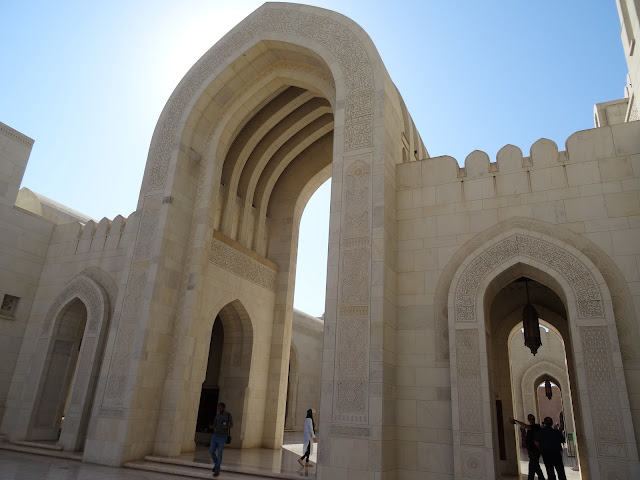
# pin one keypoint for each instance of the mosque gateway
(132, 329)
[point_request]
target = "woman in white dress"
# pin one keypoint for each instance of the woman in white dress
(309, 439)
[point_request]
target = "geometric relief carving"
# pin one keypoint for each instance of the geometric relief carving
(589, 300)
(242, 265)
(355, 276)
(603, 391)
(116, 382)
(356, 200)
(352, 370)
(335, 37)
(473, 465)
(134, 292)
(613, 450)
(469, 387)
(351, 401)
(352, 352)
(75, 288)
(146, 232)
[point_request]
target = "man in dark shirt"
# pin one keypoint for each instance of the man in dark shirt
(533, 451)
(550, 441)
(221, 426)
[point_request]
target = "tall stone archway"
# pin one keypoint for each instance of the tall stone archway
(219, 212)
(605, 413)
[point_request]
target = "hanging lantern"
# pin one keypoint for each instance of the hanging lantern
(547, 388)
(531, 325)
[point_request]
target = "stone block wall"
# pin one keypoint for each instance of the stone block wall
(591, 189)
(24, 240)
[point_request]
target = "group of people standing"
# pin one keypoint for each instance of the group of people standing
(544, 441)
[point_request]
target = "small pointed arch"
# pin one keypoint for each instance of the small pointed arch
(596, 352)
(531, 379)
(65, 370)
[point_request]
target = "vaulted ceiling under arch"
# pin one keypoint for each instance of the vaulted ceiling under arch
(266, 122)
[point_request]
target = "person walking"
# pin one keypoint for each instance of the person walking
(532, 429)
(550, 441)
(222, 424)
(309, 439)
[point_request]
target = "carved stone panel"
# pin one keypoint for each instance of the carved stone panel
(469, 387)
(146, 234)
(473, 465)
(603, 391)
(93, 304)
(242, 265)
(352, 370)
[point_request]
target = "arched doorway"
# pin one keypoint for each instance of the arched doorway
(210, 393)
(64, 360)
(529, 372)
(61, 369)
(592, 351)
(268, 151)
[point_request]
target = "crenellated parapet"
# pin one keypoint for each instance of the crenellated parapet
(592, 156)
(77, 238)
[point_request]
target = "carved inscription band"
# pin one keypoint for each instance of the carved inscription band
(236, 262)
(586, 289)
(603, 391)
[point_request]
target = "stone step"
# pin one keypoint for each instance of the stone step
(50, 446)
(40, 449)
(186, 468)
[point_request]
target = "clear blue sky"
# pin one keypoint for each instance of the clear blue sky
(88, 80)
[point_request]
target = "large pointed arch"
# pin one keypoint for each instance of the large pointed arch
(605, 412)
(623, 307)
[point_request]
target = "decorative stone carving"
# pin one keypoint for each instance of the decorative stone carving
(603, 391)
(93, 304)
(236, 262)
(473, 465)
(116, 383)
(469, 387)
(335, 37)
(349, 311)
(351, 401)
(146, 234)
(352, 355)
(356, 200)
(628, 334)
(588, 297)
(134, 293)
(352, 370)
(355, 276)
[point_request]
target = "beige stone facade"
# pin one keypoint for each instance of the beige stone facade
(113, 323)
